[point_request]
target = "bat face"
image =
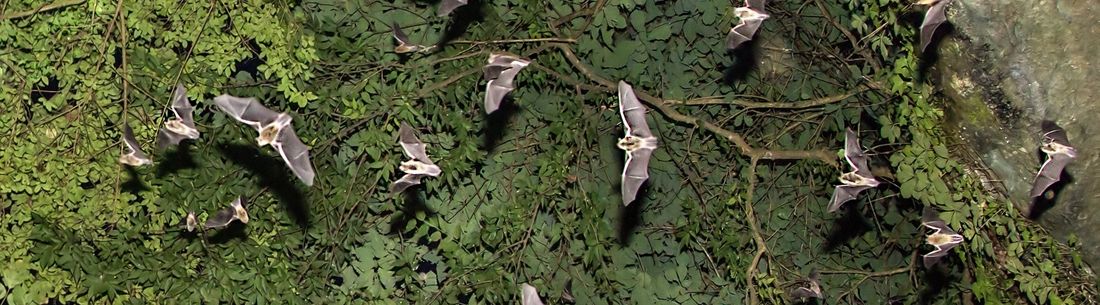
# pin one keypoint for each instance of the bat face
(933, 18)
(1059, 154)
(752, 15)
(639, 142)
(183, 123)
(449, 6)
(133, 155)
(247, 110)
(294, 153)
(501, 73)
(943, 238)
(530, 295)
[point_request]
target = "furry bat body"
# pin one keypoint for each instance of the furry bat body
(943, 238)
(133, 155)
(182, 126)
(403, 43)
(811, 288)
(933, 18)
(448, 6)
(222, 218)
(418, 165)
(530, 295)
(856, 181)
(639, 143)
(501, 73)
(274, 128)
(1059, 153)
(751, 15)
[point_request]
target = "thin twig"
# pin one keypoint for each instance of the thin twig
(771, 105)
(40, 9)
(506, 41)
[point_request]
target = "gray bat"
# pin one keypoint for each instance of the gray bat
(530, 295)
(856, 181)
(751, 15)
(638, 143)
(274, 128)
(222, 218)
(1059, 153)
(448, 6)
(133, 155)
(811, 290)
(418, 165)
(933, 18)
(189, 222)
(943, 238)
(501, 72)
(182, 126)
(403, 43)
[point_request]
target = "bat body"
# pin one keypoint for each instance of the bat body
(275, 129)
(448, 6)
(403, 43)
(222, 218)
(751, 15)
(933, 18)
(530, 295)
(418, 166)
(856, 181)
(189, 222)
(182, 125)
(133, 155)
(943, 238)
(1059, 153)
(501, 73)
(812, 288)
(639, 143)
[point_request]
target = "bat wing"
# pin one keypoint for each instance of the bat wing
(509, 75)
(854, 154)
(742, 33)
(635, 172)
(491, 71)
(246, 110)
(843, 193)
(449, 6)
(530, 295)
(756, 4)
(399, 34)
(933, 18)
(166, 137)
(804, 293)
(932, 258)
(132, 143)
(220, 219)
(412, 145)
(181, 106)
(295, 153)
(1050, 173)
(1054, 133)
(632, 112)
(494, 94)
(405, 182)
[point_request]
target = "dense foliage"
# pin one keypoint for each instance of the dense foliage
(734, 213)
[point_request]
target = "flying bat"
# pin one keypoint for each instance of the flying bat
(449, 6)
(189, 222)
(501, 72)
(403, 43)
(856, 181)
(1059, 153)
(933, 18)
(274, 128)
(182, 126)
(530, 295)
(638, 143)
(418, 165)
(751, 15)
(225, 216)
(133, 155)
(812, 288)
(943, 238)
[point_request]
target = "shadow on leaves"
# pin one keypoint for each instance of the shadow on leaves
(176, 159)
(496, 123)
(273, 175)
(849, 226)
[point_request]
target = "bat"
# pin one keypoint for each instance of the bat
(189, 222)
(811, 290)
(530, 295)
(501, 72)
(1059, 153)
(182, 126)
(856, 181)
(751, 15)
(275, 130)
(403, 43)
(225, 216)
(449, 6)
(943, 238)
(418, 165)
(133, 155)
(933, 18)
(638, 143)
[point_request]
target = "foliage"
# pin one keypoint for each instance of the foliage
(735, 210)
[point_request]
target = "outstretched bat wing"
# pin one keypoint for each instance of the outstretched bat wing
(405, 182)
(804, 293)
(166, 137)
(132, 143)
(246, 110)
(449, 6)
(530, 295)
(635, 173)
(933, 18)
(632, 112)
(756, 4)
(494, 95)
(742, 33)
(1053, 133)
(1050, 173)
(220, 219)
(412, 145)
(844, 193)
(295, 153)
(854, 154)
(181, 106)
(399, 34)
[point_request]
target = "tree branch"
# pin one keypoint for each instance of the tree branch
(663, 107)
(757, 237)
(772, 105)
(44, 8)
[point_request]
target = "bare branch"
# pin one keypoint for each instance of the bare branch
(771, 105)
(43, 8)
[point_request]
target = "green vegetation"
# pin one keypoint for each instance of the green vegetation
(734, 212)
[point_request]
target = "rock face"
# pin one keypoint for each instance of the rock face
(1009, 65)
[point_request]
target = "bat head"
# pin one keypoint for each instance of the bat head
(177, 126)
(631, 143)
(420, 168)
(238, 210)
(940, 239)
(190, 222)
(853, 178)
